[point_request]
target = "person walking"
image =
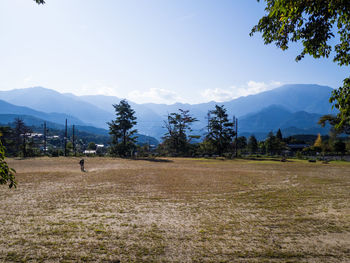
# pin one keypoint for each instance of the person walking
(82, 165)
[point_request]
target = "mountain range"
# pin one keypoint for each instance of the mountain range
(293, 108)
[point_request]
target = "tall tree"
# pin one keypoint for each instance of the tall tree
(314, 24)
(21, 132)
(273, 145)
(121, 129)
(318, 141)
(270, 143)
(241, 142)
(8, 140)
(220, 129)
(279, 135)
(339, 146)
(7, 174)
(40, 1)
(178, 125)
(252, 144)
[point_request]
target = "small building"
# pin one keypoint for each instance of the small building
(34, 135)
(90, 152)
(292, 149)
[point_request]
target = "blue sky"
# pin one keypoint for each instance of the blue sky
(159, 51)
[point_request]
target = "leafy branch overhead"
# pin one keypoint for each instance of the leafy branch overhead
(314, 24)
(7, 174)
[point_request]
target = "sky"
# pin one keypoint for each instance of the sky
(161, 51)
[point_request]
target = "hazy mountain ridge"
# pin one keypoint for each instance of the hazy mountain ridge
(298, 97)
(277, 117)
(297, 106)
(46, 100)
(8, 108)
(8, 119)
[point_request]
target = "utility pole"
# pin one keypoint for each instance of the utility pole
(236, 122)
(24, 143)
(74, 148)
(208, 116)
(65, 140)
(45, 138)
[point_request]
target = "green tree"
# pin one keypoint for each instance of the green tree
(241, 142)
(279, 135)
(7, 174)
(252, 144)
(178, 125)
(70, 147)
(20, 133)
(40, 1)
(220, 129)
(333, 120)
(339, 146)
(121, 130)
(8, 140)
(91, 146)
(269, 143)
(314, 24)
(273, 145)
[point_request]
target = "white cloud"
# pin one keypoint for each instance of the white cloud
(106, 90)
(251, 87)
(219, 95)
(98, 89)
(254, 87)
(154, 95)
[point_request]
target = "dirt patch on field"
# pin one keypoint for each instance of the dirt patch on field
(179, 210)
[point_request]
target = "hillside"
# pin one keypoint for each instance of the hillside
(298, 97)
(46, 100)
(8, 108)
(97, 110)
(277, 117)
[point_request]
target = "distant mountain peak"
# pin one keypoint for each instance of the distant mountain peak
(97, 110)
(303, 86)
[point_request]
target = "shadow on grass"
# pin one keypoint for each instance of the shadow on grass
(268, 159)
(153, 160)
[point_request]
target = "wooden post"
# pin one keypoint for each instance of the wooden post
(74, 148)
(236, 137)
(65, 140)
(45, 138)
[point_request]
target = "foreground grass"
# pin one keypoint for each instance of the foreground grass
(181, 210)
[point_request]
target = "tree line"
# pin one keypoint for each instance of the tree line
(178, 139)
(220, 139)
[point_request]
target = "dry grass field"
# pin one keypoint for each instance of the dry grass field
(176, 210)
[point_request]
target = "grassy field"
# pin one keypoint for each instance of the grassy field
(176, 210)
